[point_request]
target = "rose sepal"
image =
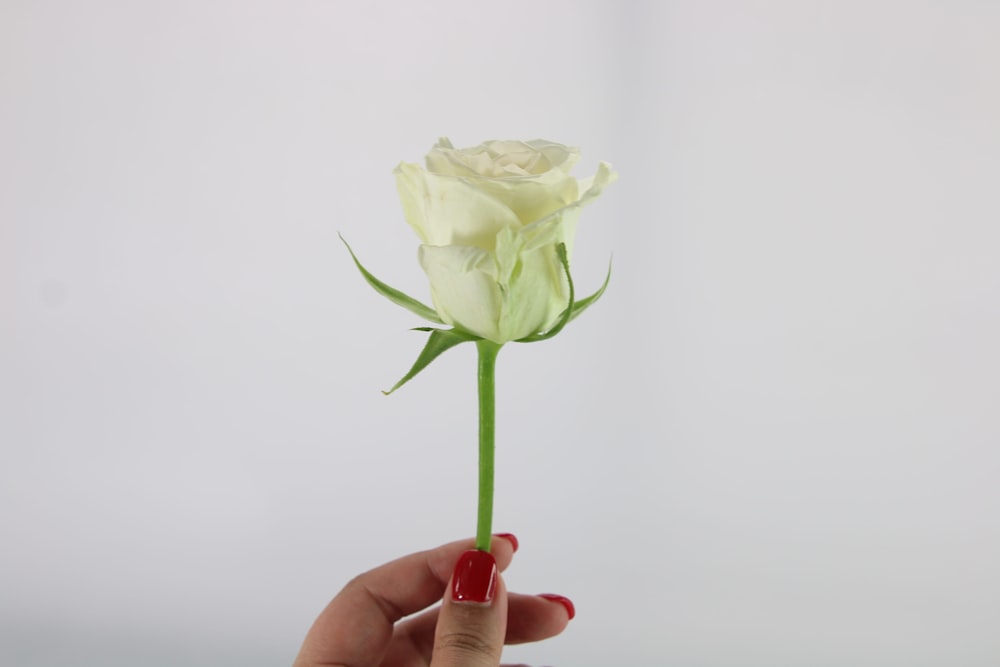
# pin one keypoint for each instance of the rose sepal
(440, 341)
(397, 297)
(573, 308)
(586, 302)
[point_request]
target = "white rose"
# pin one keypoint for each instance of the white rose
(490, 219)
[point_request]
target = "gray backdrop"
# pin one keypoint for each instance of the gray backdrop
(774, 442)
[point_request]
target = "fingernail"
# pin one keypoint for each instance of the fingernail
(510, 538)
(566, 602)
(475, 578)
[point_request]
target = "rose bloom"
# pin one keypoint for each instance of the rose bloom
(490, 219)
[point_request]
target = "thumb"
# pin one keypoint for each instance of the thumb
(473, 618)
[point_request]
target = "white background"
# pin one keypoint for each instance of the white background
(775, 442)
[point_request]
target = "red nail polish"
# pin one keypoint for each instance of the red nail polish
(566, 602)
(475, 578)
(510, 538)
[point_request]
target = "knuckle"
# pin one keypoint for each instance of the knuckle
(464, 643)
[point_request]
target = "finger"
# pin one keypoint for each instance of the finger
(356, 627)
(530, 618)
(473, 617)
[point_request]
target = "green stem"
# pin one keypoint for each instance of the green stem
(488, 351)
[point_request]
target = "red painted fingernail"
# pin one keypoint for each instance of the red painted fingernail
(566, 602)
(475, 578)
(510, 538)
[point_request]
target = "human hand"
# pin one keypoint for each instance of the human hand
(359, 627)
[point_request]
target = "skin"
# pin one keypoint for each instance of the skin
(363, 626)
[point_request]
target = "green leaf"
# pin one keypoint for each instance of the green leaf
(393, 294)
(440, 341)
(567, 314)
(585, 303)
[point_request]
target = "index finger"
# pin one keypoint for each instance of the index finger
(355, 628)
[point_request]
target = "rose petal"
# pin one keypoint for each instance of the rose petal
(464, 287)
(445, 210)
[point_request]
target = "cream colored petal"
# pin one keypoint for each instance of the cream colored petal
(531, 197)
(531, 178)
(554, 229)
(501, 158)
(536, 295)
(413, 196)
(445, 210)
(464, 288)
(448, 162)
(507, 255)
(559, 156)
(532, 283)
(561, 225)
(460, 213)
(592, 187)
